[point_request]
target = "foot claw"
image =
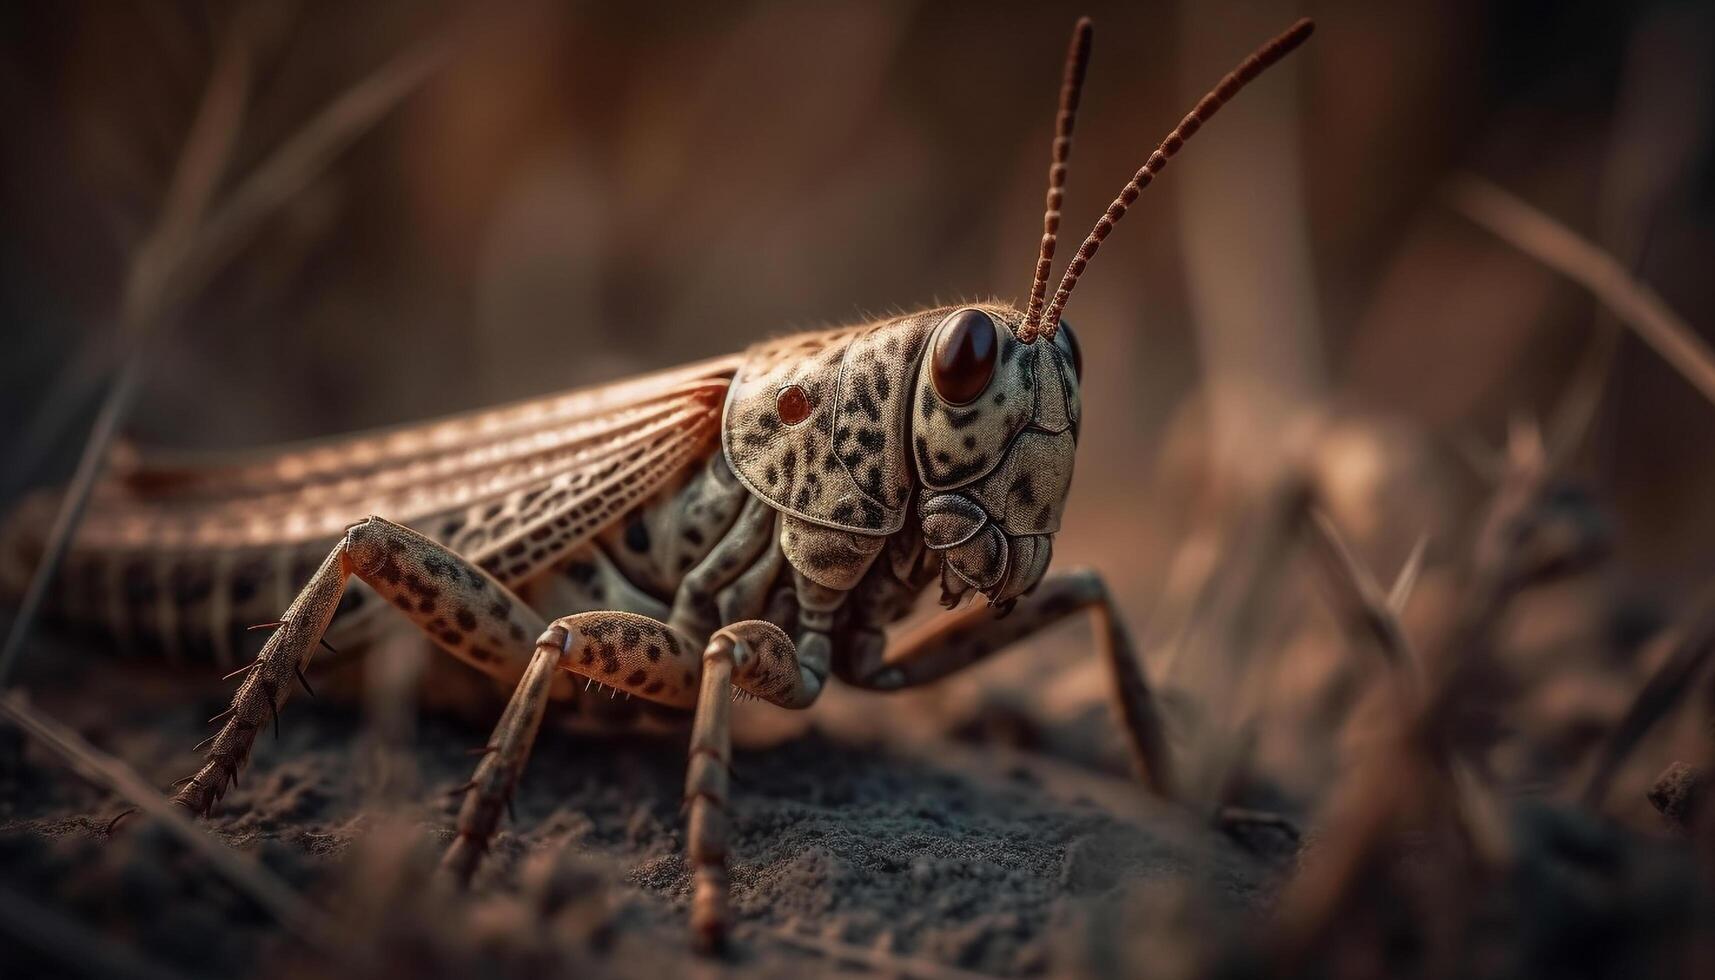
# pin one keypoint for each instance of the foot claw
(194, 797)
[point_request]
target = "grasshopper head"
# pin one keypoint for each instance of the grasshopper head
(995, 420)
(966, 415)
(994, 427)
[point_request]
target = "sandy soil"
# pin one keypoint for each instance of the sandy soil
(933, 846)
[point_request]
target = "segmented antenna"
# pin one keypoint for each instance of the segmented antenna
(1229, 86)
(1071, 88)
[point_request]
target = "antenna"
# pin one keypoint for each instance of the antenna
(1071, 88)
(1238, 78)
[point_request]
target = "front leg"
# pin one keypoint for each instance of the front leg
(826, 565)
(953, 642)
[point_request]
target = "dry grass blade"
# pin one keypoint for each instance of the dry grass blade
(251, 878)
(1659, 696)
(1224, 625)
(85, 952)
(1370, 615)
(89, 466)
(1400, 594)
(1405, 780)
(208, 148)
(1575, 413)
(183, 252)
(304, 157)
(1556, 246)
(208, 151)
(1365, 810)
(73, 387)
(180, 255)
(1366, 610)
(1411, 772)
(1503, 565)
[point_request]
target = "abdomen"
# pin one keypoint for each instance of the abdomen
(159, 597)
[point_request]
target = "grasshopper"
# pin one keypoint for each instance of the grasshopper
(748, 525)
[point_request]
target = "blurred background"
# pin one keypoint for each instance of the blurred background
(583, 193)
(580, 192)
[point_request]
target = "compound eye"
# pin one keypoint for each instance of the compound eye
(966, 348)
(1065, 333)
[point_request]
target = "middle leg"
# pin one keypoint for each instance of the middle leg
(757, 657)
(647, 658)
(621, 650)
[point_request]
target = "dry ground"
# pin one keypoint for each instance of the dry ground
(958, 852)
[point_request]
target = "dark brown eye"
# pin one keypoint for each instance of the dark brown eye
(792, 404)
(964, 356)
(1071, 338)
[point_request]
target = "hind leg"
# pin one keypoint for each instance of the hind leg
(463, 609)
